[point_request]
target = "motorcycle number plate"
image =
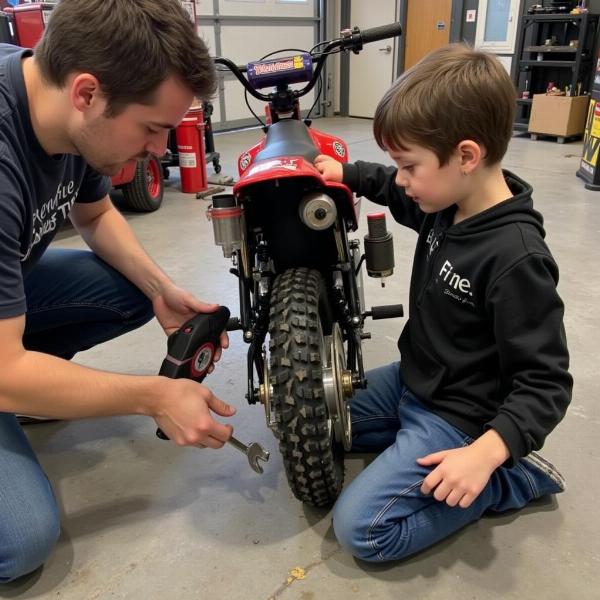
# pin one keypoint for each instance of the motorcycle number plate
(280, 71)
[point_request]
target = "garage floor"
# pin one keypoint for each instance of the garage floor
(146, 519)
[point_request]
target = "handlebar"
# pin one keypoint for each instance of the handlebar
(375, 34)
(352, 39)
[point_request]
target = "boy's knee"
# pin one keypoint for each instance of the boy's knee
(353, 534)
(360, 535)
(25, 546)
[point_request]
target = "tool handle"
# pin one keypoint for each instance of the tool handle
(191, 349)
(237, 444)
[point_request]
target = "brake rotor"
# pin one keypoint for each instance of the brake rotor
(337, 381)
(265, 393)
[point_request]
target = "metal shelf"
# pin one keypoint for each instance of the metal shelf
(553, 17)
(551, 49)
(548, 63)
(521, 126)
(562, 63)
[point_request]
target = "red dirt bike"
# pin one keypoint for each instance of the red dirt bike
(300, 283)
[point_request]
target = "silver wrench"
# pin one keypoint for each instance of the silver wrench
(253, 451)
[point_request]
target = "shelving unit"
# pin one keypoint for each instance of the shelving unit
(569, 61)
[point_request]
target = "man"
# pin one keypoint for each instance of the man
(104, 86)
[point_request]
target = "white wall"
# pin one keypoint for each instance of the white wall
(244, 40)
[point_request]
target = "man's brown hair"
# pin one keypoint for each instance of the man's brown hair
(130, 46)
(455, 93)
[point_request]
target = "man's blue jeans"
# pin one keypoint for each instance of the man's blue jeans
(382, 515)
(74, 301)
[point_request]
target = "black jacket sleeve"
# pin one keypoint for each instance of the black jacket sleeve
(378, 184)
(527, 315)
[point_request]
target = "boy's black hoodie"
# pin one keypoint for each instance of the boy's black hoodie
(485, 345)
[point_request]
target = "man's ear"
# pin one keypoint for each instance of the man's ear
(86, 93)
(470, 155)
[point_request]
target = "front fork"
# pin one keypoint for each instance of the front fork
(346, 297)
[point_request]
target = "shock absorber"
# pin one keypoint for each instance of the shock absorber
(226, 217)
(379, 248)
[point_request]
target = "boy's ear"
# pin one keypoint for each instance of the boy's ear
(470, 155)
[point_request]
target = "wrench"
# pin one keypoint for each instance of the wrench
(254, 451)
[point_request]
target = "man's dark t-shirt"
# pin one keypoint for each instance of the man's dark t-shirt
(37, 191)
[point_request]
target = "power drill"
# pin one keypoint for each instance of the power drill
(191, 349)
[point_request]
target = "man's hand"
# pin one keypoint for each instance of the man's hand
(462, 473)
(174, 306)
(330, 168)
(184, 414)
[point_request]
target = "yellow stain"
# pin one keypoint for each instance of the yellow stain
(298, 573)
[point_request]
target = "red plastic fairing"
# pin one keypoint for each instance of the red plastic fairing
(330, 145)
(293, 166)
(247, 158)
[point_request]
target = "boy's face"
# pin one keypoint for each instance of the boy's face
(430, 185)
(108, 143)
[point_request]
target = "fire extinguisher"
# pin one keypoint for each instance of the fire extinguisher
(192, 155)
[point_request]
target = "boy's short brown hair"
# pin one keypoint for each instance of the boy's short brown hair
(130, 46)
(455, 93)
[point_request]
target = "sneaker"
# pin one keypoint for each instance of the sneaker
(31, 420)
(535, 460)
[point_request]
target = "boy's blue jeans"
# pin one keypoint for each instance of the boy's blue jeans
(382, 515)
(74, 301)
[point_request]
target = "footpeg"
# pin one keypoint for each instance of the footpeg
(388, 311)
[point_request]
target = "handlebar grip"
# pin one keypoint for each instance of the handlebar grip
(381, 33)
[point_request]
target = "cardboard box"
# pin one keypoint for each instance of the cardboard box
(558, 115)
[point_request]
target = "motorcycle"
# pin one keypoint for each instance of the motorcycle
(299, 275)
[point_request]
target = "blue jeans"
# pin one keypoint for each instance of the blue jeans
(382, 515)
(74, 301)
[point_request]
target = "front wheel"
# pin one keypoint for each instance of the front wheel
(300, 327)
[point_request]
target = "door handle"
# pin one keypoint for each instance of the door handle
(387, 49)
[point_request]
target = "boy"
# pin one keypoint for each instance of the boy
(484, 375)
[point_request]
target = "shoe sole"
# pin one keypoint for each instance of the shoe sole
(547, 467)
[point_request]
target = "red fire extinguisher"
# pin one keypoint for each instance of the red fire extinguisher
(191, 151)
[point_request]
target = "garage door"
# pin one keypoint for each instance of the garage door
(246, 30)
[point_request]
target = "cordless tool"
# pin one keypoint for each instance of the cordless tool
(190, 353)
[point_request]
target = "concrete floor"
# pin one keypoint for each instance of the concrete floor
(145, 519)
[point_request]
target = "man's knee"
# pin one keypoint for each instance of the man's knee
(25, 546)
(142, 313)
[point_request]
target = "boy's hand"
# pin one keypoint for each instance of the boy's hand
(462, 473)
(330, 168)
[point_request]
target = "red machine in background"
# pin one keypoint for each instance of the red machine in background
(142, 182)
(191, 150)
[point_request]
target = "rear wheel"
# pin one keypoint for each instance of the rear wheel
(300, 325)
(145, 192)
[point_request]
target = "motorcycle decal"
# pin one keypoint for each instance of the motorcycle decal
(339, 149)
(245, 161)
(289, 164)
